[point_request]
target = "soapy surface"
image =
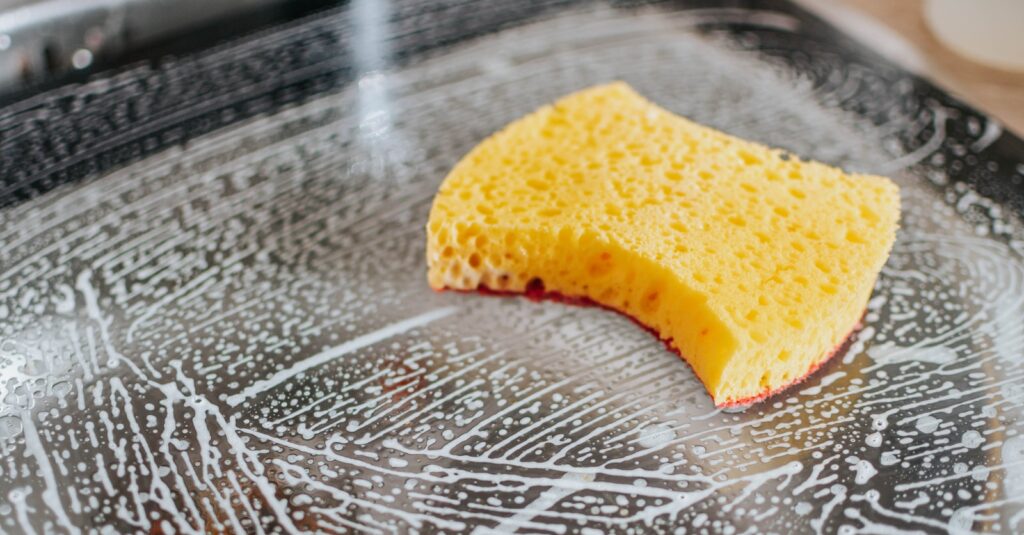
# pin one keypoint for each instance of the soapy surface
(236, 333)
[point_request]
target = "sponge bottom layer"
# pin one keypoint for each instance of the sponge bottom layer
(536, 292)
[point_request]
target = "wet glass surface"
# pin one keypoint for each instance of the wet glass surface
(225, 325)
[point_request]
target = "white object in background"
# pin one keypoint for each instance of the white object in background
(990, 32)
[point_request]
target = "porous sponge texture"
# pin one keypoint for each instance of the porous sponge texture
(752, 264)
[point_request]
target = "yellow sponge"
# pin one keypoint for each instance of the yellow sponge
(751, 264)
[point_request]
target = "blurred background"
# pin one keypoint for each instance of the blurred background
(47, 42)
(974, 49)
